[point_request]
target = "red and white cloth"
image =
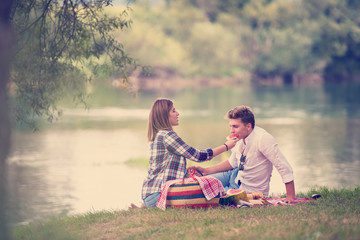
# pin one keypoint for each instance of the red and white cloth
(210, 186)
(281, 201)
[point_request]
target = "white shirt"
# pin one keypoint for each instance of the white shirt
(262, 152)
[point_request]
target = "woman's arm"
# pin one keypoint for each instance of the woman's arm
(176, 145)
(229, 144)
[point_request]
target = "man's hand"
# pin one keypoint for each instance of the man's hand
(289, 199)
(290, 192)
(202, 170)
(195, 170)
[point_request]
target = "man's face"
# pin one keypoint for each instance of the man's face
(239, 128)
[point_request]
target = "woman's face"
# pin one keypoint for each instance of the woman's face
(174, 117)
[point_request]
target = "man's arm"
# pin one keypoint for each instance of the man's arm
(290, 192)
(269, 148)
(220, 167)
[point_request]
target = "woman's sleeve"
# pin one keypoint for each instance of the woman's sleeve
(177, 146)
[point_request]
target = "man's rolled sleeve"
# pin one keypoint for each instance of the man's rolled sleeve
(271, 151)
(233, 161)
(288, 178)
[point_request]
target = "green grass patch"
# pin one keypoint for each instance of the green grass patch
(334, 216)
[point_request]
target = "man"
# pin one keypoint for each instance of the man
(250, 165)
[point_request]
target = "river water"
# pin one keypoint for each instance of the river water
(77, 165)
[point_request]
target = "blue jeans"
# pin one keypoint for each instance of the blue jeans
(151, 200)
(228, 178)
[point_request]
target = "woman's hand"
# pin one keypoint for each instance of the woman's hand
(231, 142)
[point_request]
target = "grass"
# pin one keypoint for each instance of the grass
(334, 216)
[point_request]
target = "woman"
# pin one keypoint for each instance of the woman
(168, 152)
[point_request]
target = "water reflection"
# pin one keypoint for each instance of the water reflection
(67, 172)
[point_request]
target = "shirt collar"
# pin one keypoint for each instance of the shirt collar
(250, 137)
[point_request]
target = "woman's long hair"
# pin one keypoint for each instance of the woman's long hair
(159, 117)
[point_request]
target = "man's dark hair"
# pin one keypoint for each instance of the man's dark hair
(245, 114)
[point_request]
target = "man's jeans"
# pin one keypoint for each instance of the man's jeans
(228, 178)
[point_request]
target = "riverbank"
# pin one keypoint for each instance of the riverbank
(334, 216)
(162, 79)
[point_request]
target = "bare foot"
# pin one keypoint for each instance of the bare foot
(133, 206)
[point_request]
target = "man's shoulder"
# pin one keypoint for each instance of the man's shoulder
(262, 136)
(259, 131)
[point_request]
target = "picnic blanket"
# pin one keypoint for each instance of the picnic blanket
(210, 186)
(280, 201)
(271, 202)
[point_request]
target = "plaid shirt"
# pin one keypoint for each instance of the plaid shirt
(168, 154)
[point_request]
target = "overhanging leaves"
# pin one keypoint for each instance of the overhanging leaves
(61, 44)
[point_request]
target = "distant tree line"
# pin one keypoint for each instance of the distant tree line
(62, 45)
(270, 38)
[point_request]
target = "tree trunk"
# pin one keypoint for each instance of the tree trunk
(6, 39)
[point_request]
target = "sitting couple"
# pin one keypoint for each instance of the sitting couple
(249, 168)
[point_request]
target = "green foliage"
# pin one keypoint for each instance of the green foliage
(158, 37)
(285, 51)
(182, 38)
(60, 46)
(269, 38)
(63, 45)
(339, 41)
(214, 48)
